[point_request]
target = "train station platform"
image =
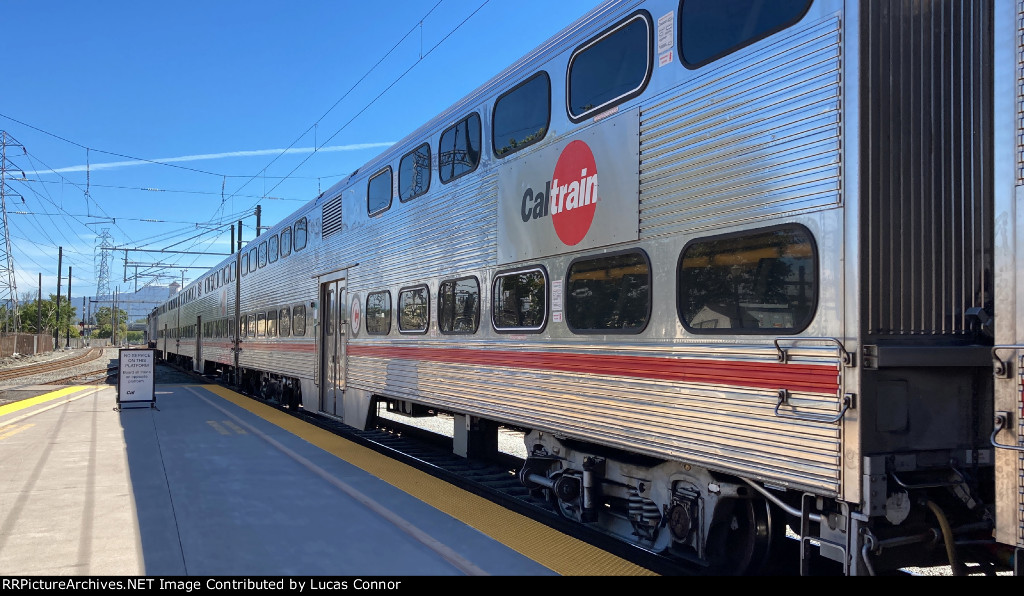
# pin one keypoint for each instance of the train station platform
(207, 482)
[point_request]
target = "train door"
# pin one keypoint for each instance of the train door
(332, 346)
(197, 363)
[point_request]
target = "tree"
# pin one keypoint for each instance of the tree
(29, 316)
(104, 328)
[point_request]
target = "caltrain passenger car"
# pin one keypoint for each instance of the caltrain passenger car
(741, 269)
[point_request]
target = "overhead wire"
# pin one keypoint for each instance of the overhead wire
(334, 105)
(197, 239)
(386, 89)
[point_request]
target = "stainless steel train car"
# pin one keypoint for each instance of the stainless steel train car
(745, 271)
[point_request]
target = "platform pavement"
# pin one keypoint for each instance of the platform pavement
(204, 484)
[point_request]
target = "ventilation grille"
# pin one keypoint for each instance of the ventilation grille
(926, 167)
(332, 216)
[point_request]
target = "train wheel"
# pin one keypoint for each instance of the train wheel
(741, 537)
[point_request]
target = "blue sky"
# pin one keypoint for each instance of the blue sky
(231, 96)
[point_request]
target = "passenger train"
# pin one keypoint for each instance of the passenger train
(744, 271)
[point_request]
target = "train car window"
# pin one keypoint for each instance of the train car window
(285, 322)
(272, 323)
(300, 234)
(252, 325)
(711, 29)
(378, 313)
(458, 153)
(611, 68)
(261, 324)
(519, 300)
(609, 293)
(245, 264)
(272, 249)
(414, 173)
(413, 310)
(328, 313)
(378, 192)
(231, 327)
(253, 260)
(521, 116)
(243, 329)
(299, 321)
(262, 255)
(286, 242)
(458, 305)
(764, 281)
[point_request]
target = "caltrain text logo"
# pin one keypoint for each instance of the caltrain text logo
(570, 197)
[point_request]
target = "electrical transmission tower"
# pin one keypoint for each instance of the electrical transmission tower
(104, 242)
(8, 286)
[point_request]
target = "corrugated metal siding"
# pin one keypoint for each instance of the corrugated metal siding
(722, 427)
(747, 140)
(926, 170)
(444, 233)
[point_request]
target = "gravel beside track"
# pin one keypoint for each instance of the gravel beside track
(30, 385)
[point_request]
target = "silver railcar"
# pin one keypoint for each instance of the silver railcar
(735, 266)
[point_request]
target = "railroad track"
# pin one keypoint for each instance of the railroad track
(50, 366)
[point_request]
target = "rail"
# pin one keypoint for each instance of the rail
(50, 366)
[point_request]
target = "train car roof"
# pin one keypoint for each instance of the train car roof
(496, 84)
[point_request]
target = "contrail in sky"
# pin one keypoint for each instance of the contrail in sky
(206, 156)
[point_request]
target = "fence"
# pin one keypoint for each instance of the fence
(25, 344)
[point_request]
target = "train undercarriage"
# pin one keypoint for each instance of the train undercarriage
(726, 525)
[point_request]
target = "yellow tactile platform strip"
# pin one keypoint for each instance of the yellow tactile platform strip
(560, 553)
(27, 403)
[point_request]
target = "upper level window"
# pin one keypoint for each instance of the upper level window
(286, 242)
(245, 264)
(459, 151)
(710, 29)
(378, 313)
(609, 293)
(300, 234)
(521, 116)
(519, 300)
(413, 309)
(414, 173)
(763, 281)
(263, 254)
(378, 192)
(611, 68)
(458, 305)
(272, 248)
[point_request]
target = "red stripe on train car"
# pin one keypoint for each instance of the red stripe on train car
(761, 375)
(306, 347)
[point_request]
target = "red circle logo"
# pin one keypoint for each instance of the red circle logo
(573, 197)
(356, 317)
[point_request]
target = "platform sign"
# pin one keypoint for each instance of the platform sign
(135, 376)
